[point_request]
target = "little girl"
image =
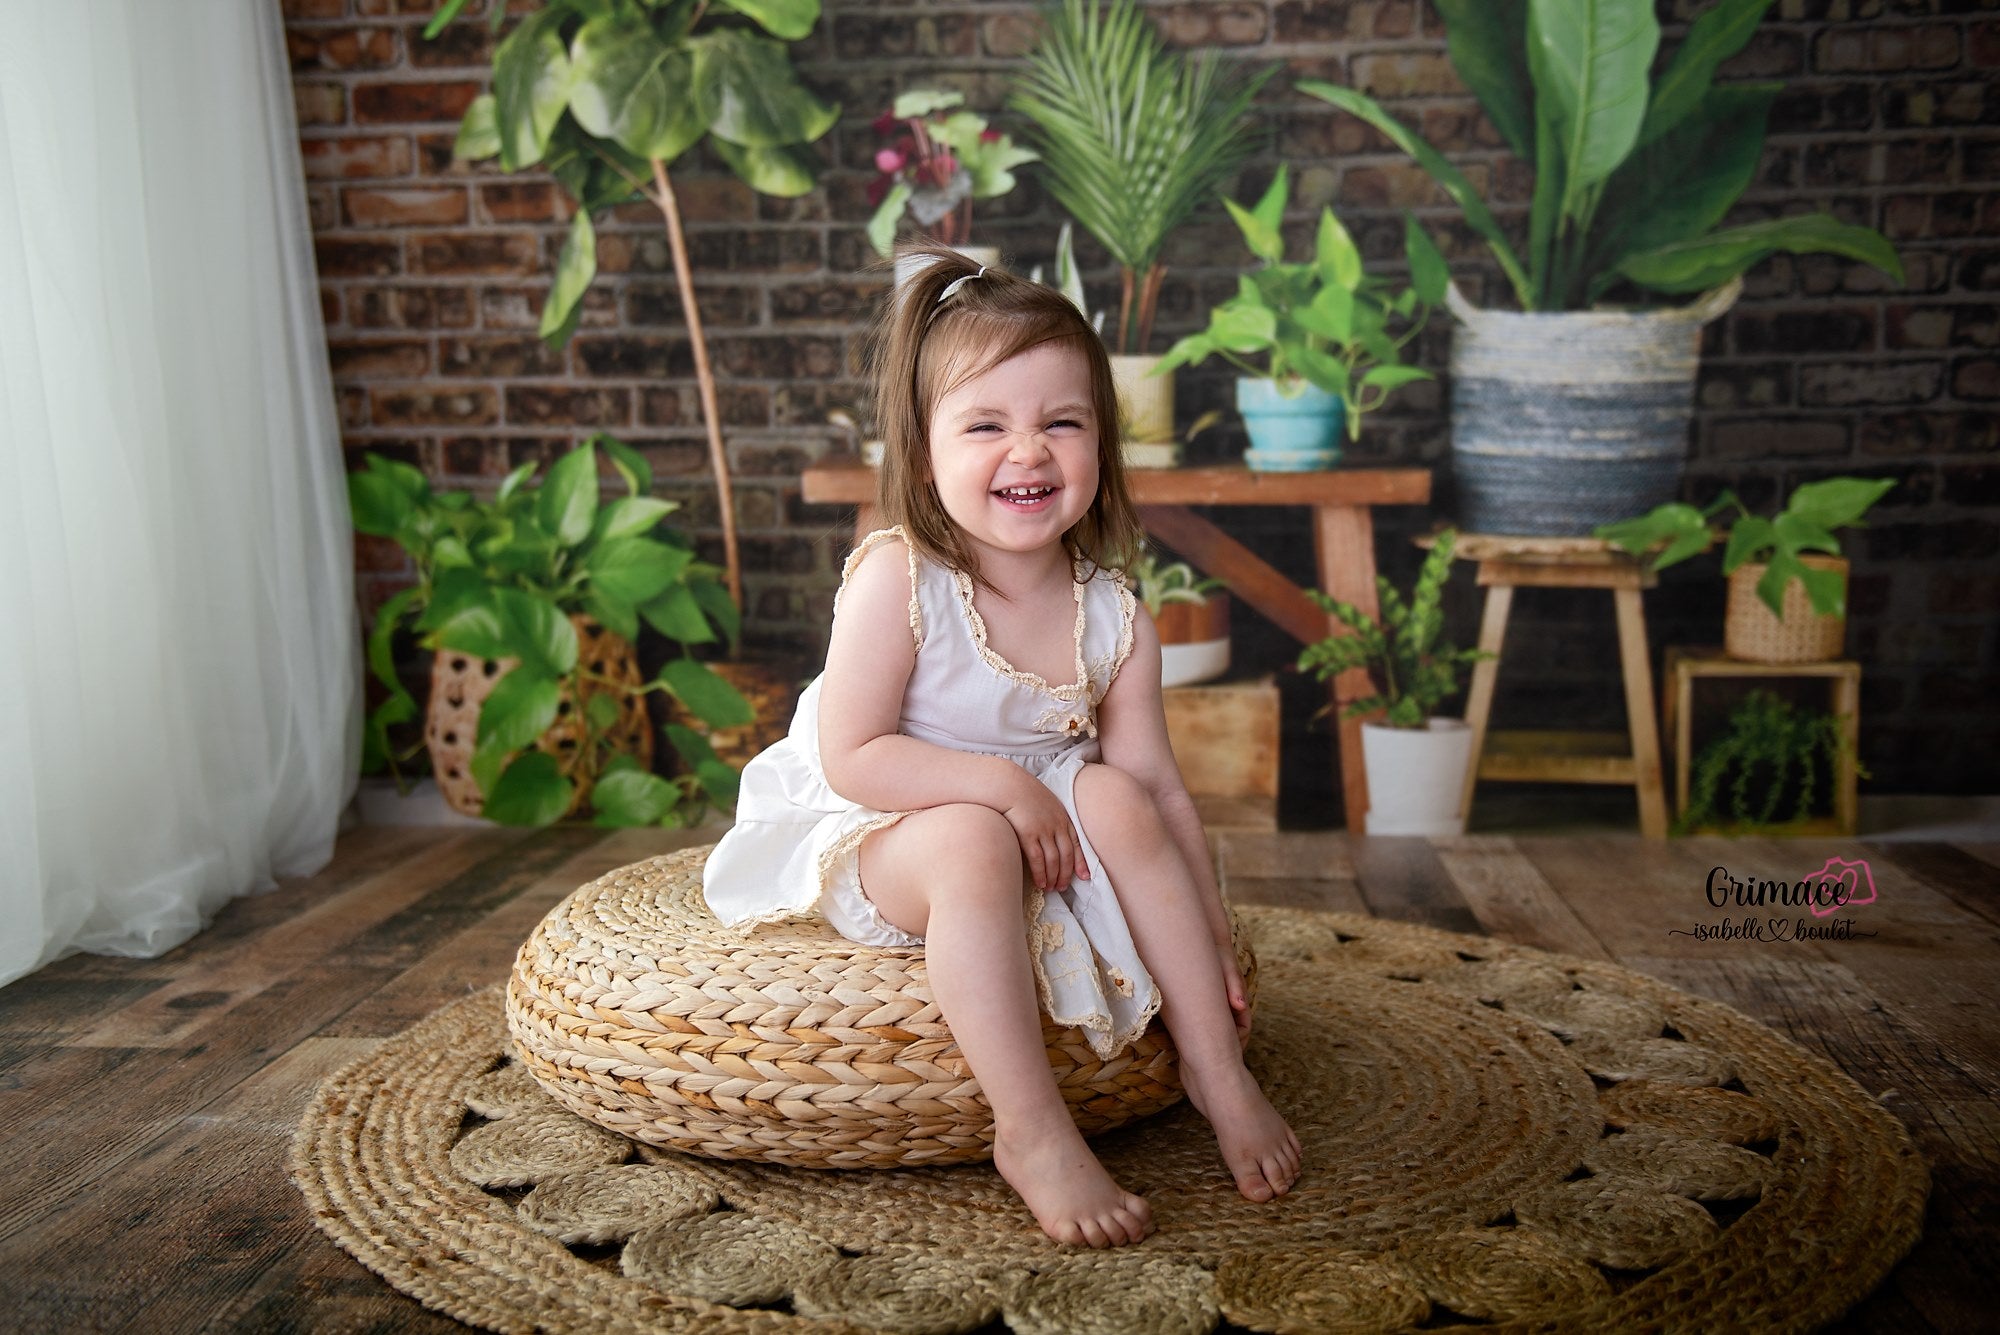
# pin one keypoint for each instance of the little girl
(987, 749)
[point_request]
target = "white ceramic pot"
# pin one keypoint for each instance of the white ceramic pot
(1186, 664)
(1148, 404)
(1415, 777)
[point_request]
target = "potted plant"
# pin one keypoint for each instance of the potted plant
(1134, 138)
(1415, 761)
(531, 603)
(1570, 414)
(1191, 615)
(1323, 332)
(1787, 578)
(605, 97)
(939, 159)
(1775, 758)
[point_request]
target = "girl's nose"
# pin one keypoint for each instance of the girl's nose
(1028, 447)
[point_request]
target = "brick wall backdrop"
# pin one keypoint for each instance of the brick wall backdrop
(432, 278)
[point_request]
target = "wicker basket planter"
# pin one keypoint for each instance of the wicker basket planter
(460, 683)
(1750, 632)
(1562, 421)
(633, 1007)
(772, 686)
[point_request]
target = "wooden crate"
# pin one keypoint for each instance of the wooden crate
(1225, 737)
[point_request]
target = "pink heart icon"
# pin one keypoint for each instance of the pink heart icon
(1841, 884)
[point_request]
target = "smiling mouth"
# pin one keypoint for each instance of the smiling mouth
(1027, 498)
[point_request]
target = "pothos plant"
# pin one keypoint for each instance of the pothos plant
(940, 158)
(1773, 750)
(605, 95)
(1158, 582)
(1411, 666)
(500, 579)
(1323, 322)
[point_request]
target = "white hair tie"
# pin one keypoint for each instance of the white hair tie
(957, 283)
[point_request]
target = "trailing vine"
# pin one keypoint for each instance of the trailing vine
(1772, 747)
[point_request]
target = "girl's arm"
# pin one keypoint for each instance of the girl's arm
(1132, 733)
(868, 664)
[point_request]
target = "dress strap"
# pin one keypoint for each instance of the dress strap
(860, 552)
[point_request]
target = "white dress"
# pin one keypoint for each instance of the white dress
(794, 850)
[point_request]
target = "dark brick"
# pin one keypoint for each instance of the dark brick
(1976, 377)
(1979, 270)
(1810, 329)
(1766, 437)
(831, 302)
(1955, 594)
(342, 48)
(1926, 433)
(1309, 21)
(460, 46)
(537, 405)
(658, 305)
(1976, 487)
(1803, 108)
(498, 358)
(382, 103)
(1842, 384)
(872, 37)
(378, 359)
(339, 257)
(1954, 691)
(737, 250)
(629, 356)
(795, 357)
(476, 253)
(521, 307)
(411, 307)
(1744, 385)
(471, 406)
(1958, 539)
(1212, 23)
(518, 202)
(680, 405)
(1934, 102)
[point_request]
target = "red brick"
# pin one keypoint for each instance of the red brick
(476, 253)
(539, 405)
(297, 10)
(1309, 21)
(411, 307)
(379, 554)
(517, 201)
(323, 207)
(378, 359)
(382, 103)
(342, 48)
(356, 156)
(339, 257)
(423, 205)
(1211, 23)
(319, 103)
(329, 307)
(470, 406)
(521, 307)
(499, 358)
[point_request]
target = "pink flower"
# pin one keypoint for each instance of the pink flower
(888, 161)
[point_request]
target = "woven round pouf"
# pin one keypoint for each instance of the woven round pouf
(1496, 1139)
(633, 1007)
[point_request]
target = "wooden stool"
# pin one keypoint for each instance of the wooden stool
(1683, 665)
(1507, 563)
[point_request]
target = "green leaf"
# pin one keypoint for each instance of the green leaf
(1800, 533)
(634, 89)
(1749, 538)
(1262, 238)
(1334, 253)
(1781, 570)
(521, 707)
(1453, 181)
(602, 711)
(920, 102)
(631, 465)
(567, 505)
(1189, 351)
(1679, 187)
(1826, 590)
(612, 613)
(1391, 378)
(1328, 373)
(381, 640)
(748, 93)
(1717, 34)
(1590, 60)
(531, 87)
(1838, 501)
(451, 591)
(442, 17)
(706, 581)
(789, 19)
(1695, 266)
(632, 797)
(512, 623)
(634, 570)
(449, 552)
(513, 482)
(717, 779)
(575, 268)
(707, 696)
(533, 791)
(379, 506)
(1429, 275)
(1488, 44)
(785, 171)
(678, 615)
(1544, 211)
(1331, 315)
(631, 516)
(478, 132)
(1270, 209)
(882, 227)
(1241, 328)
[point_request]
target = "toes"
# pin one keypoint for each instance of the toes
(1134, 1224)
(1253, 1186)
(1093, 1233)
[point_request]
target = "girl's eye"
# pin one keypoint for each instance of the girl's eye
(984, 426)
(1068, 423)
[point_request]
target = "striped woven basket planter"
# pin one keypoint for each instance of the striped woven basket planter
(633, 1007)
(1565, 420)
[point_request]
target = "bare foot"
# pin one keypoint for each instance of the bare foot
(1258, 1146)
(1073, 1198)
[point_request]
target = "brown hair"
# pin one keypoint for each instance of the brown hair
(923, 350)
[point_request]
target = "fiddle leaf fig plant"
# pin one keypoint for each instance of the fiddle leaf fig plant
(1634, 170)
(1671, 533)
(500, 579)
(1321, 322)
(605, 95)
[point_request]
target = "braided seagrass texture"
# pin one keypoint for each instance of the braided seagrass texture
(1491, 1136)
(635, 1008)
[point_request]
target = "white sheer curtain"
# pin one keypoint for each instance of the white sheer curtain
(179, 656)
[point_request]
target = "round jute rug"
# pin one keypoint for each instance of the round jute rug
(1493, 1135)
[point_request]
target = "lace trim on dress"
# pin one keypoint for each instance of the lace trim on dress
(1074, 691)
(1103, 1039)
(869, 544)
(1107, 666)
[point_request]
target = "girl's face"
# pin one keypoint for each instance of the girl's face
(1014, 451)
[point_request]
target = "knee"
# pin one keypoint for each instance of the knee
(1112, 802)
(975, 841)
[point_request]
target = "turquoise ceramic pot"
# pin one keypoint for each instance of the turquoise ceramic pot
(1290, 435)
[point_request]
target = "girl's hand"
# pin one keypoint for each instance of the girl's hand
(1048, 841)
(1239, 1000)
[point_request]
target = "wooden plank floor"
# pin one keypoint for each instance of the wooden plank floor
(146, 1105)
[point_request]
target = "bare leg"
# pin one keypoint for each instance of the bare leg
(1170, 927)
(976, 948)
